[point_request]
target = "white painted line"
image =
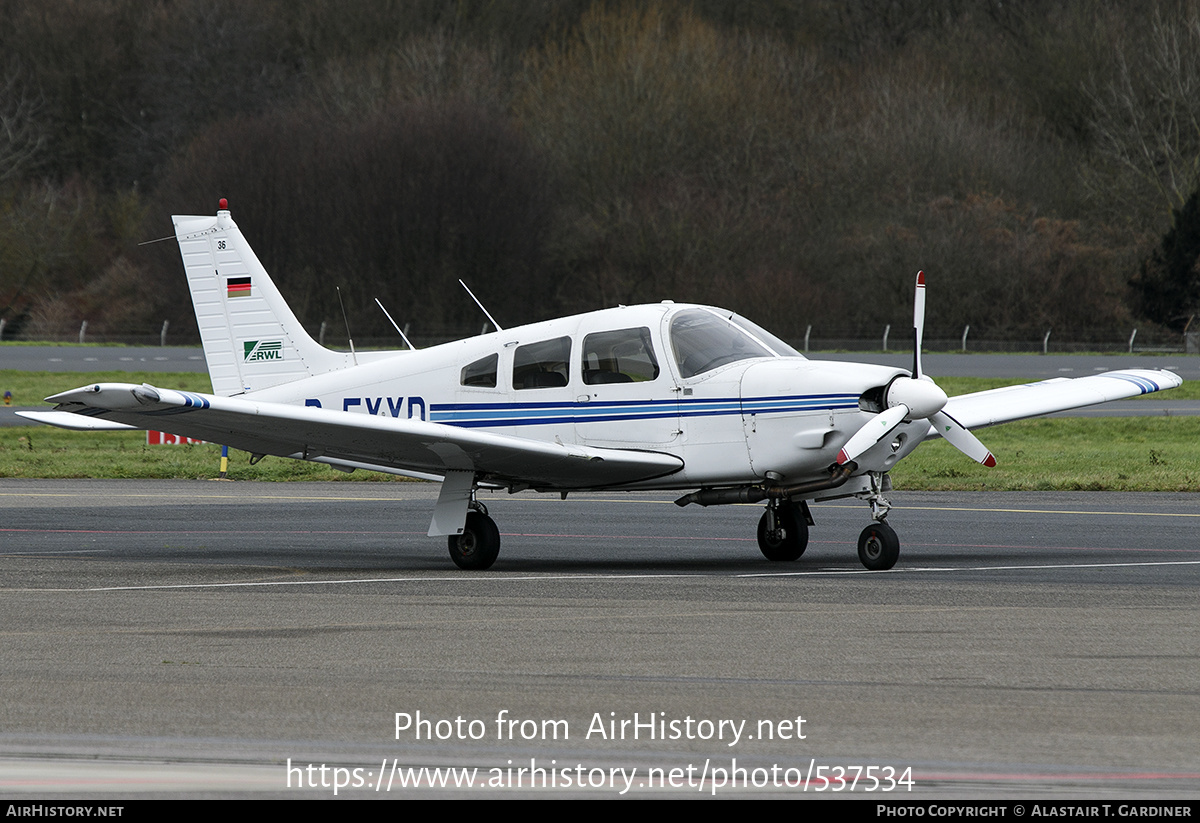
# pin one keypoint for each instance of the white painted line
(574, 578)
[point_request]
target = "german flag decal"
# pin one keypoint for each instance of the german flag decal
(238, 287)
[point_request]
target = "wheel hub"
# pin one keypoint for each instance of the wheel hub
(873, 547)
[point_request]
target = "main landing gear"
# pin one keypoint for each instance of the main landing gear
(478, 546)
(783, 530)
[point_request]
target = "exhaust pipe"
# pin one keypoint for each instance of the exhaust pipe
(754, 494)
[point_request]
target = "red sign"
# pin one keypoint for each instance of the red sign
(154, 438)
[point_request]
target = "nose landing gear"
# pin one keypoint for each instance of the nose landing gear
(878, 547)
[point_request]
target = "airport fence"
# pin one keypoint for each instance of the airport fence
(894, 339)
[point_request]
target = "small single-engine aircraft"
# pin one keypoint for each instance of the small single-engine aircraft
(663, 396)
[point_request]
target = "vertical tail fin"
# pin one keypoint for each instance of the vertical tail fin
(251, 338)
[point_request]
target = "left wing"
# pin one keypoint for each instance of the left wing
(349, 440)
(987, 408)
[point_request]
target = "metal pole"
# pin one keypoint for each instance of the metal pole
(162, 338)
(1046, 342)
(807, 332)
(966, 329)
(886, 329)
(321, 335)
(82, 330)
(1131, 340)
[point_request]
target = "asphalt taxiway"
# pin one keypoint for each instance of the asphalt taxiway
(190, 638)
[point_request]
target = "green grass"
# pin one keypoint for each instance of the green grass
(1120, 453)
(46, 452)
(1066, 454)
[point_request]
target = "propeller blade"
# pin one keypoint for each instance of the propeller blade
(918, 324)
(917, 397)
(961, 439)
(874, 430)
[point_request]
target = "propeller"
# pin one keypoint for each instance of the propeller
(915, 398)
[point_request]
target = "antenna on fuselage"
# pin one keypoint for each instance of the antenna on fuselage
(395, 325)
(346, 320)
(480, 305)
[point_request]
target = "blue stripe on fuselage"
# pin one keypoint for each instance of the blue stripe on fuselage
(473, 415)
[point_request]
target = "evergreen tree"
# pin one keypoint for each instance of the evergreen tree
(1168, 286)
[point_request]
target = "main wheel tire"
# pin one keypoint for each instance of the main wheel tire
(794, 538)
(878, 547)
(478, 546)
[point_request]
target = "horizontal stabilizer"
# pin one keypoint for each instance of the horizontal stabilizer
(78, 422)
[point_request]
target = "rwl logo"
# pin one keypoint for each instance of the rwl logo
(262, 350)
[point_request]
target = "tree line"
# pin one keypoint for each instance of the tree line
(796, 161)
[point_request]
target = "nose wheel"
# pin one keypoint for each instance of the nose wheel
(878, 547)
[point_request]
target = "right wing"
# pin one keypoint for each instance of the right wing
(987, 408)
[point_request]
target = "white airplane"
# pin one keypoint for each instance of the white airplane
(664, 396)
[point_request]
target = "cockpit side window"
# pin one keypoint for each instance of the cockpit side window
(482, 372)
(624, 356)
(542, 365)
(703, 340)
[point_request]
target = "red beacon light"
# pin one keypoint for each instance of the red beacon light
(223, 204)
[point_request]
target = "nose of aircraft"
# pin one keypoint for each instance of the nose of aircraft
(915, 397)
(923, 398)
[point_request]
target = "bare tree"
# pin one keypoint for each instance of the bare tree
(21, 135)
(1146, 119)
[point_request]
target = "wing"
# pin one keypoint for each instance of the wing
(987, 408)
(348, 440)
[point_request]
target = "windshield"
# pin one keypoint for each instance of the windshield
(781, 348)
(702, 340)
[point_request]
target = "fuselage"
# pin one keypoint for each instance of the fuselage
(735, 403)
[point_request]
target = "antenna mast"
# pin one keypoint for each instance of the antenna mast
(346, 320)
(403, 336)
(480, 305)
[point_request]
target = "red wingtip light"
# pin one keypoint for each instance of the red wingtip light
(223, 204)
(920, 278)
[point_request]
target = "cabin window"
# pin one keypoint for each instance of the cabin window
(482, 372)
(703, 340)
(542, 365)
(625, 356)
